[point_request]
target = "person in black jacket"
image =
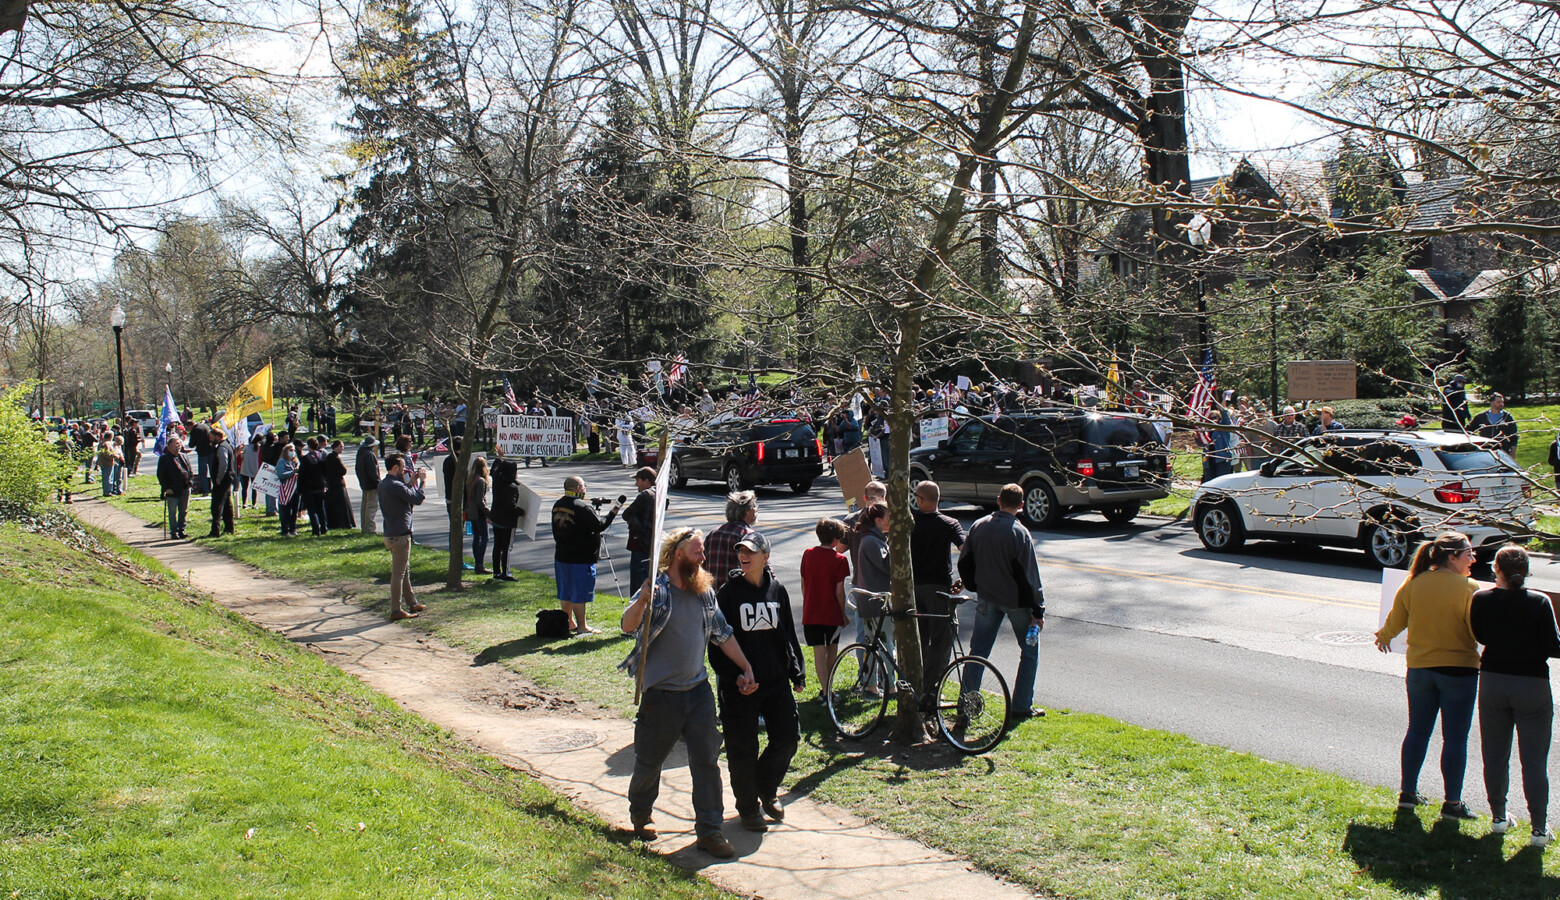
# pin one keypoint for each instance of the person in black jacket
(201, 441)
(311, 486)
(1518, 631)
(367, 468)
(640, 519)
(577, 545)
(758, 609)
(505, 513)
(935, 537)
(224, 474)
(175, 479)
(338, 506)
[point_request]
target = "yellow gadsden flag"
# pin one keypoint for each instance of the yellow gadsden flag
(253, 395)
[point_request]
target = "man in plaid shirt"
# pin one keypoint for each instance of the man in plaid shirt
(720, 548)
(1288, 429)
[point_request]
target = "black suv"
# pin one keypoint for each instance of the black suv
(1065, 461)
(748, 452)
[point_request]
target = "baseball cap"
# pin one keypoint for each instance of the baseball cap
(755, 542)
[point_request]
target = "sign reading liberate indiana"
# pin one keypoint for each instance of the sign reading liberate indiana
(545, 436)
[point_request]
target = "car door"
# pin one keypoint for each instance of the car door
(1285, 502)
(954, 467)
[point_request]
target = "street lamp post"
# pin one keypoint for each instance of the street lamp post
(117, 320)
(1199, 231)
(1273, 310)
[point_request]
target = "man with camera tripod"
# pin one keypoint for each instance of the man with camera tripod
(577, 529)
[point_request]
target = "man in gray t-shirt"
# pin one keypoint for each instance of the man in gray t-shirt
(677, 700)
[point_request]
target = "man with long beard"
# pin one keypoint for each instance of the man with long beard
(677, 699)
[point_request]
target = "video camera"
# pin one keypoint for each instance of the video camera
(599, 502)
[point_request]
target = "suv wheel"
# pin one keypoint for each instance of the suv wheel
(1389, 543)
(678, 477)
(1121, 515)
(734, 479)
(803, 486)
(1219, 527)
(1040, 505)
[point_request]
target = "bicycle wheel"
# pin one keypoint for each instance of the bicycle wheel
(856, 697)
(972, 720)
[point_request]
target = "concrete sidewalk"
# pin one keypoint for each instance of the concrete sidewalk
(820, 851)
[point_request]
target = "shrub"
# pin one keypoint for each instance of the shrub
(1383, 413)
(32, 470)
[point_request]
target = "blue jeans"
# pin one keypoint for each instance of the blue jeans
(479, 539)
(663, 717)
(988, 621)
(110, 480)
(1450, 696)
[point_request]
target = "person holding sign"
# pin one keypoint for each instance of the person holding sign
(1443, 664)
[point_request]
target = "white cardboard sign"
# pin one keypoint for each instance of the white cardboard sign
(266, 481)
(544, 436)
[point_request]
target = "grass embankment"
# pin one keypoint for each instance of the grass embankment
(157, 745)
(1074, 805)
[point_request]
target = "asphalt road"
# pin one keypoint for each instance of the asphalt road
(1266, 652)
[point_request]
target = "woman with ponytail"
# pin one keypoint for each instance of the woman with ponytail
(1443, 664)
(1518, 631)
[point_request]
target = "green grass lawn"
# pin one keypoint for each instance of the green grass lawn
(1073, 805)
(156, 745)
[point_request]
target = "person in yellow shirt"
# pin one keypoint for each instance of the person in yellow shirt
(1443, 664)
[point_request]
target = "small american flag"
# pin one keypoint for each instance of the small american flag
(285, 494)
(751, 408)
(1200, 405)
(441, 446)
(509, 395)
(678, 370)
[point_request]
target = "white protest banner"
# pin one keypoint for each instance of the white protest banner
(934, 430)
(963, 383)
(544, 436)
(265, 480)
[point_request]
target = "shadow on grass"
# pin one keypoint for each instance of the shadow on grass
(535, 646)
(1446, 862)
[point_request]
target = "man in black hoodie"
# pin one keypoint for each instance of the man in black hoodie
(759, 611)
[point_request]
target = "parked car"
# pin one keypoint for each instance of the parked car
(744, 453)
(147, 419)
(1402, 487)
(1066, 461)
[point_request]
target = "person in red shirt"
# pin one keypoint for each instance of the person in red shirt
(824, 570)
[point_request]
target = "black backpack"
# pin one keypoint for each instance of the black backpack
(552, 623)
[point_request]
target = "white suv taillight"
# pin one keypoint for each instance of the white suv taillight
(1085, 467)
(1456, 492)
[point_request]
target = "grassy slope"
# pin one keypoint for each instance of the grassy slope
(156, 745)
(1076, 805)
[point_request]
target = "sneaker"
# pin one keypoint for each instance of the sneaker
(1457, 810)
(1410, 799)
(754, 821)
(773, 808)
(716, 845)
(1541, 839)
(1500, 825)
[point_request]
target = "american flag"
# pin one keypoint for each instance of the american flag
(678, 370)
(1199, 407)
(509, 395)
(441, 447)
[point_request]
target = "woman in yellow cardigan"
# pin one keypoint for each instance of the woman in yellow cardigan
(1443, 664)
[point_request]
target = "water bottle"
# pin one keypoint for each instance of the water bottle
(1033, 637)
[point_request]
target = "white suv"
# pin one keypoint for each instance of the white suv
(1404, 486)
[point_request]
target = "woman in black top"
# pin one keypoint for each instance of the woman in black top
(1517, 628)
(338, 506)
(506, 512)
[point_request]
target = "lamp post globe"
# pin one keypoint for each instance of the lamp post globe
(117, 320)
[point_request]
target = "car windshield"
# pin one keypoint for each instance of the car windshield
(1471, 458)
(798, 432)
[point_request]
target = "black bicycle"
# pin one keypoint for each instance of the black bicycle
(972, 696)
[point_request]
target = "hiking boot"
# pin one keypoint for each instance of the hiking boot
(1457, 810)
(754, 821)
(773, 808)
(716, 845)
(1410, 799)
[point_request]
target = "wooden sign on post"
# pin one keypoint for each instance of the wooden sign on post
(1322, 379)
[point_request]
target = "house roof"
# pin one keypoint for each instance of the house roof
(1434, 203)
(1446, 286)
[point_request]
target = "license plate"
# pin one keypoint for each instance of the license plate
(1129, 471)
(791, 454)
